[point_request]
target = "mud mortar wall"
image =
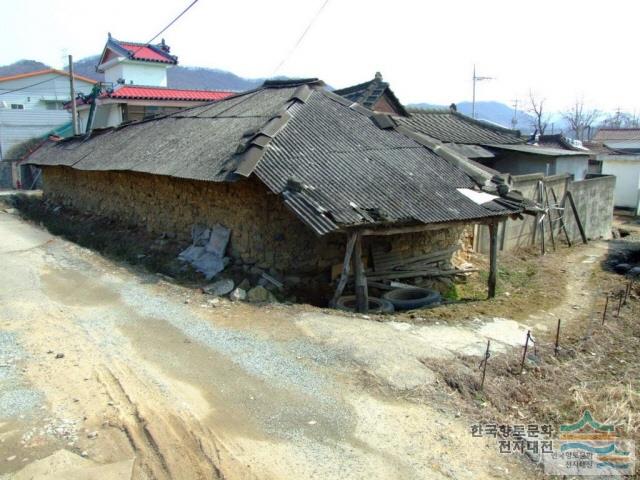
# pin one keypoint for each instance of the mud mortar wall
(263, 230)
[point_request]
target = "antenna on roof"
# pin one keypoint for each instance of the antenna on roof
(476, 78)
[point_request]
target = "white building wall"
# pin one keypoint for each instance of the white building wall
(108, 115)
(55, 87)
(16, 126)
(42, 110)
(577, 166)
(138, 73)
(627, 173)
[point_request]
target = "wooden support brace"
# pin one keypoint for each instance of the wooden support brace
(362, 294)
(493, 259)
(344, 275)
(577, 217)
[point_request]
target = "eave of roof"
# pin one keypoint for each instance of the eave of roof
(142, 92)
(533, 150)
(47, 71)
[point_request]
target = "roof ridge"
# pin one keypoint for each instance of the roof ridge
(135, 85)
(484, 123)
(44, 71)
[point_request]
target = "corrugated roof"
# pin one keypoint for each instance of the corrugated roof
(450, 126)
(332, 164)
(604, 134)
(560, 142)
(536, 150)
(368, 93)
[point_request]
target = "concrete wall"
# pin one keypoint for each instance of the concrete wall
(263, 230)
(594, 201)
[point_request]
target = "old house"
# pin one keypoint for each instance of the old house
(301, 176)
(375, 95)
(617, 150)
(497, 147)
(135, 86)
(31, 106)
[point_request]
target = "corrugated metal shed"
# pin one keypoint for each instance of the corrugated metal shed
(450, 126)
(336, 167)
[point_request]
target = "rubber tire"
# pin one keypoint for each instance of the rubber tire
(411, 298)
(347, 303)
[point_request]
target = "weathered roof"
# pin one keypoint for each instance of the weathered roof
(536, 150)
(448, 125)
(560, 142)
(368, 93)
(337, 165)
(604, 134)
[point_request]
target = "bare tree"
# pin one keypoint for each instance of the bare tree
(536, 108)
(580, 119)
(621, 120)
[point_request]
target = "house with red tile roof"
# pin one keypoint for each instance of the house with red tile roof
(135, 86)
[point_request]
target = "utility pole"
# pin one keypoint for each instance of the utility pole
(476, 79)
(514, 120)
(72, 91)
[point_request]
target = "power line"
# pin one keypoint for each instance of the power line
(28, 86)
(165, 28)
(297, 44)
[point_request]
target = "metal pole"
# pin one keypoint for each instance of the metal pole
(620, 304)
(606, 304)
(555, 351)
(72, 91)
(484, 361)
(627, 291)
(524, 354)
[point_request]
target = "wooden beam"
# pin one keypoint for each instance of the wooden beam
(362, 294)
(382, 231)
(344, 276)
(493, 259)
(575, 214)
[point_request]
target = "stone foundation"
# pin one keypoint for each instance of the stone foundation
(263, 230)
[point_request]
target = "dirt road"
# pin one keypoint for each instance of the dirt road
(108, 370)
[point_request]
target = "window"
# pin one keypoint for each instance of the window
(17, 106)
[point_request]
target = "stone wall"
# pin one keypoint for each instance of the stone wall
(263, 230)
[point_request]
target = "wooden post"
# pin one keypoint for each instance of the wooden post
(577, 217)
(362, 294)
(561, 207)
(493, 258)
(344, 275)
(542, 233)
(546, 199)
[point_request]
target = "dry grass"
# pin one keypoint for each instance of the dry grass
(596, 369)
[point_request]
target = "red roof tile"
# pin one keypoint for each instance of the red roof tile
(162, 93)
(144, 52)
